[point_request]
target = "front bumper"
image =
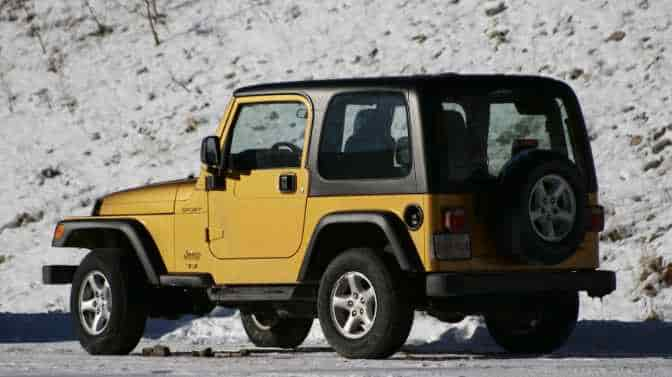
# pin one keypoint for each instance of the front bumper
(58, 274)
(595, 283)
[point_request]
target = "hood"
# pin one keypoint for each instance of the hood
(157, 198)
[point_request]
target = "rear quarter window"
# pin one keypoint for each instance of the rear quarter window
(365, 136)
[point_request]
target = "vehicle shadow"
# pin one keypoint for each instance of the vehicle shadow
(58, 327)
(35, 327)
(590, 339)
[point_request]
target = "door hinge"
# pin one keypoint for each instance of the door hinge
(215, 183)
(212, 234)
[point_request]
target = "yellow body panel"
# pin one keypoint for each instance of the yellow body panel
(155, 199)
(193, 252)
(319, 207)
(484, 255)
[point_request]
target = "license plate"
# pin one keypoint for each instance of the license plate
(452, 246)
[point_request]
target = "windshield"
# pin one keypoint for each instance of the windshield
(471, 137)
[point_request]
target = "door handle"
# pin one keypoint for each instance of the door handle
(287, 183)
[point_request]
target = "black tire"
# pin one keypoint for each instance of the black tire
(127, 316)
(268, 330)
(535, 324)
(512, 220)
(394, 310)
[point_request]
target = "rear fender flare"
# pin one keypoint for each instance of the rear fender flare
(401, 245)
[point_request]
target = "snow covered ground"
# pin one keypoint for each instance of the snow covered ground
(85, 112)
(38, 345)
(64, 359)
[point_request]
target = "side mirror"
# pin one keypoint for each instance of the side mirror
(210, 153)
(402, 152)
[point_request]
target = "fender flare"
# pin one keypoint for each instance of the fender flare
(139, 238)
(401, 246)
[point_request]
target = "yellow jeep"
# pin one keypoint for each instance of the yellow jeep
(358, 201)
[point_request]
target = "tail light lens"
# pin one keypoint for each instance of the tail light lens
(596, 223)
(455, 220)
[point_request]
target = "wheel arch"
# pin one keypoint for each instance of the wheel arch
(118, 233)
(379, 230)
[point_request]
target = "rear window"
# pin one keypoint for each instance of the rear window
(472, 137)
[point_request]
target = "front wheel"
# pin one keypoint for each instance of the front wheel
(535, 324)
(107, 303)
(363, 306)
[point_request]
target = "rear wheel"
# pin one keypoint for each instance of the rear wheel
(535, 324)
(363, 306)
(269, 330)
(107, 303)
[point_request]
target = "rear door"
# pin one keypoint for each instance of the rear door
(260, 213)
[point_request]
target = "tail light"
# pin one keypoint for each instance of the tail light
(454, 243)
(596, 221)
(455, 220)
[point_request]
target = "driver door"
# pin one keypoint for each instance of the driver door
(260, 212)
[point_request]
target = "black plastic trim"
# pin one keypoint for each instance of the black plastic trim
(417, 208)
(401, 245)
(596, 283)
(137, 235)
(237, 294)
(58, 274)
(187, 280)
(95, 211)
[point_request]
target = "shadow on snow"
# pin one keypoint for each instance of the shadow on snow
(609, 339)
(598, 339)
(58, 327)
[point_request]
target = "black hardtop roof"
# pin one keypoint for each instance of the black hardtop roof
(398, 81)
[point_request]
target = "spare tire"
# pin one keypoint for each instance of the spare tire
(541, 219)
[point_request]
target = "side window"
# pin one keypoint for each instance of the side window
(451, 143)
(365, 135)
(268, 135)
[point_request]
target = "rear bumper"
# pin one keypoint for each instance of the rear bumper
(58, 274)
(595, 283)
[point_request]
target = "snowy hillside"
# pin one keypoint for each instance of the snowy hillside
(90, 105)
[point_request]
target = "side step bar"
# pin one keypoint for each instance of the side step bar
(231, 294)
(263, 293)
(187, 281)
